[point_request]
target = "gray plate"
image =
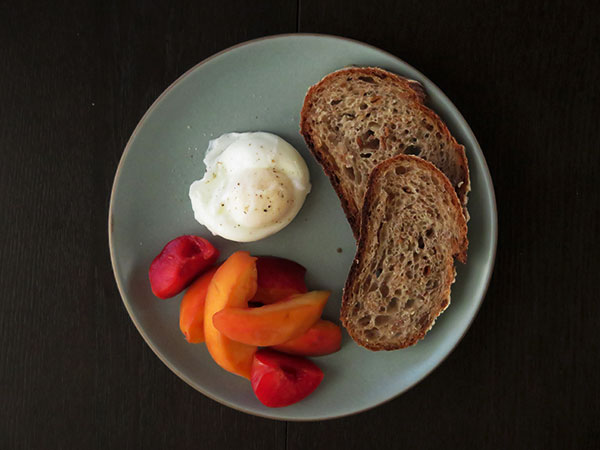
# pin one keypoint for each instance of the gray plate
(260, 86)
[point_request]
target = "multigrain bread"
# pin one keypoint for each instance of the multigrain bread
(356, 118)
(412, 227)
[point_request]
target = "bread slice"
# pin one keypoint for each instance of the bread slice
(356, 118)
(411, 228)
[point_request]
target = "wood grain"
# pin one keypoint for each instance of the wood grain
(78, 75)
(524, 75)
(76, 79)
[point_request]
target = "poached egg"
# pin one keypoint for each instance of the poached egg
(254, 185)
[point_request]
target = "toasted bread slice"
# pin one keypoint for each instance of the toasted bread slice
(411, 228)
(356, 118)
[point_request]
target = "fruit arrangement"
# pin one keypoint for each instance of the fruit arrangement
(255, 315)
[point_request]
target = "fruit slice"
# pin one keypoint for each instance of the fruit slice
(280, 380)
(323, 338)
(179, 263)
(233, 284)
(272, 324)
(191, 310)
(278, 278)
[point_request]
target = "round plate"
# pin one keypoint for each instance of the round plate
(260, 86)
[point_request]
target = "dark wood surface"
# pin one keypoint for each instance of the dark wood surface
(77, 76)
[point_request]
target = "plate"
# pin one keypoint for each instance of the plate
(260, 86)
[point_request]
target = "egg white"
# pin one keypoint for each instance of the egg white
(255, 184)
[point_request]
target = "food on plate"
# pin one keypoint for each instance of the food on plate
(179, 263)
(233, 284)
(399, 175)
(271, 324)
(191, 310)
(278, 278)
(281, 380)
(356, 118)
(254, 185)
(215, 310)
(403, 182)
(323, 338)
(412, 226)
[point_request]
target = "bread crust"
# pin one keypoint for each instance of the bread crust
(321, 154)
(460, 251)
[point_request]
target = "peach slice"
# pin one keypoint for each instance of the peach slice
(323, 338)
(191, 310)
(233, 284)
(272, 324)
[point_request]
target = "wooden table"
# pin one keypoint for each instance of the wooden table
(77, 76)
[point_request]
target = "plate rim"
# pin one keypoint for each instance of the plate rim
(487, 179)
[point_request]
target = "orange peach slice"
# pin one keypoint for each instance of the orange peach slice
(233, 284)
(272, 324)
(323, 338)
(191, 310)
